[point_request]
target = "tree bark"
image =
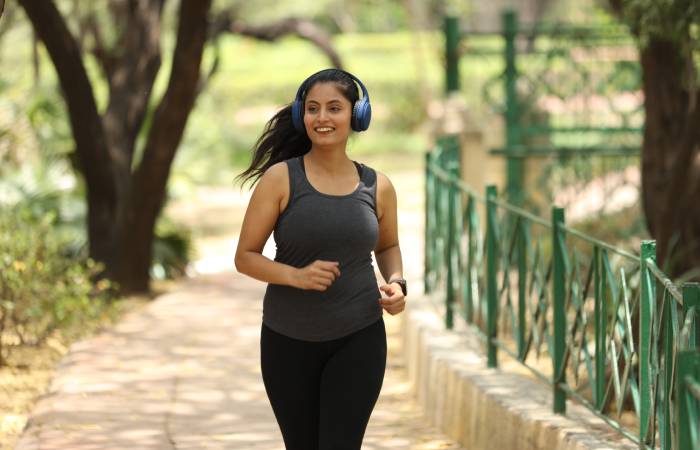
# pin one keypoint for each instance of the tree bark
(123, 208)
(671, 158)
(123, 203)
(91, 145)
(150, 179)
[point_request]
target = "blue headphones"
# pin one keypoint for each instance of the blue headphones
(361, 110)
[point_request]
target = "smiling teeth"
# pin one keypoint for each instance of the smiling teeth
(324, 129)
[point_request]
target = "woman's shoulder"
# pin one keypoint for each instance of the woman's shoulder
(276, 178)
(280, 170)
(381, 179)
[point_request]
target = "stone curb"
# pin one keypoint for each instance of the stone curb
(486, 409)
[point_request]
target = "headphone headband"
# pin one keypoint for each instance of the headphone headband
(361, 111)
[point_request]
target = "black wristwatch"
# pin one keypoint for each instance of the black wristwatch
(402, 283)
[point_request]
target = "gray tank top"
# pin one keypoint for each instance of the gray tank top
(340, 228)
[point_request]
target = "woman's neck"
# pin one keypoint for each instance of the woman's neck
(331, 161)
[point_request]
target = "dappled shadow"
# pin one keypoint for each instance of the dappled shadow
(184, 373)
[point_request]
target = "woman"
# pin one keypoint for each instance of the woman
(323, 341)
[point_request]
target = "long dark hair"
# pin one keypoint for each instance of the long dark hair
(279, 140)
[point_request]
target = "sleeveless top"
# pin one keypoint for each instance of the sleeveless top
(341, 228)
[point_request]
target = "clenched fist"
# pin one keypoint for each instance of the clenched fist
(317, 276)
(395, 302)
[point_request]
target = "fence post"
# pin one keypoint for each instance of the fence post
(559, 306)
(451, 54)
(453, 172)
(427, 235)
(514, 183)
(691, 297)
(439, 197)
(522, 284)
(669, 361)
(599, 314)
(491, 269)
(646, 316)
(688, 366)
(471, 244)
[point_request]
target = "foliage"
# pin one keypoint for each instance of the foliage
(42, 289)
(249, 87)
(172, 250)
(677, 21)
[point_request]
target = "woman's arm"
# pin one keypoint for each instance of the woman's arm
(387, 251)
(258, 223)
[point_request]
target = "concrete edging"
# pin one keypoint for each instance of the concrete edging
(487, 409)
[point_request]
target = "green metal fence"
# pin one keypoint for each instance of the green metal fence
(568, 95)
(603, 326)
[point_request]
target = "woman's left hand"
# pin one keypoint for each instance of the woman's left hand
(395, 302)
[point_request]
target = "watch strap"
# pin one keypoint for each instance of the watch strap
(401, 282)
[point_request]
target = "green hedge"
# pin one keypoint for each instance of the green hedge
(42, 288)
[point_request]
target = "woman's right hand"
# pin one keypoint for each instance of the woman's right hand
(317, 276)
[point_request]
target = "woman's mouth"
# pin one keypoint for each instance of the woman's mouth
(324, 130)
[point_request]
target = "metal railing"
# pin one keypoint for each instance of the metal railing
(602, 325)
(562, 91)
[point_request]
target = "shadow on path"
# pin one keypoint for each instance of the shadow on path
(184, 373)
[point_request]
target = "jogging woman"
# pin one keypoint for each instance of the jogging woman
(323, 341)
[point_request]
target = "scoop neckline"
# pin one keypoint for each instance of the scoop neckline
(359, 166)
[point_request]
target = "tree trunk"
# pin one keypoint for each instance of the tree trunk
(671, 158)
(88, 132)
(123, 205)
(150, 180)
(123, 208)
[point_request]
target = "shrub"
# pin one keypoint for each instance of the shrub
(42, 288)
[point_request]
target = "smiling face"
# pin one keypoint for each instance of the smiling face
(327, 114)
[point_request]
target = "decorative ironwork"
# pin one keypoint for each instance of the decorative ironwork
(602, 325)
(563, 92)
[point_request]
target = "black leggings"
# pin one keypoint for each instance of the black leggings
(322, 393)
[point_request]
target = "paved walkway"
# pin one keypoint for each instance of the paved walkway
(184, 372)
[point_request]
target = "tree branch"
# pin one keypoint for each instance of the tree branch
(132, 76)
(271, 32)
(170, 117)
(104, 56)
(62, 47)
(93, 157)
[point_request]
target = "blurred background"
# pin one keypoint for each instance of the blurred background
(255, 56)
(123, 124)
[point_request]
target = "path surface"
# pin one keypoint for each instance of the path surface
(184, 372)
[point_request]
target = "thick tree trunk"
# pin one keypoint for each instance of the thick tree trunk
(671, 158)
(90, 141)
(123, 206)
(150, 179)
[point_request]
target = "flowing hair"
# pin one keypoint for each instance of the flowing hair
(279, 140)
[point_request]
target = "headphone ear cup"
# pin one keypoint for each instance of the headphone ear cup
(361, 115)
(298, 116)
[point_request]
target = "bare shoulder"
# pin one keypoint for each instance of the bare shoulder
(274, 183)
(383, 182)
(386, 194)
